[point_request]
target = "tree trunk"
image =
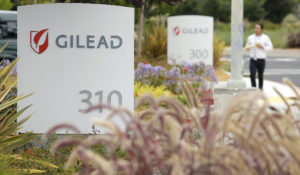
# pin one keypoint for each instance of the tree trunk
(141, 29)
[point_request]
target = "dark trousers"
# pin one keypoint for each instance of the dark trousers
(258, 65)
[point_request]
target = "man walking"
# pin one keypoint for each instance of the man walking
(258, 44)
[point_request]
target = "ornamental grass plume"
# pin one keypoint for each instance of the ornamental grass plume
(249, 137)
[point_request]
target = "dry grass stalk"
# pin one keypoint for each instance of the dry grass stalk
(250, 137)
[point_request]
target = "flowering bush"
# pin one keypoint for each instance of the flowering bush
(141, 89)
(197, 74)
(146, 73)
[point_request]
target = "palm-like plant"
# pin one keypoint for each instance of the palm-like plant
(9, 124)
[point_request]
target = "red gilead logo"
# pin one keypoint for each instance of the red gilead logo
(176, 30)
(39, 40)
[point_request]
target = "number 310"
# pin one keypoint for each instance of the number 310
(89, 96)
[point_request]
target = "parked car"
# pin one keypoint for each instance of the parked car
(8, 32)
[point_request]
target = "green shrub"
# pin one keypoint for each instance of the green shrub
(155, 41)
(290, 19)
(277, 10)
(294, 40)
(269, 25)
(276, 32)
(219, 47)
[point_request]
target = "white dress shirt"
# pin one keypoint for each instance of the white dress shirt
(256, 52)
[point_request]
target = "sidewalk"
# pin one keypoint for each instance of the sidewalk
(268, 90)
(283, 53)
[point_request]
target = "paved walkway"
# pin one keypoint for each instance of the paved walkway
(283, 53)
(269, 91)
(282, 63)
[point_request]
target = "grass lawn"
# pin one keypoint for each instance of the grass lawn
(277, 33)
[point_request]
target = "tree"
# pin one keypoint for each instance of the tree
(162, 9)
(26, 2)
(277, 10)
(219, 9)
(254, 10)
(144, 6)
(17, 3)
(5, 5)
(190, 7)
(224, 9)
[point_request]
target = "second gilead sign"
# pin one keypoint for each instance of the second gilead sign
(74, 56)
(190, 39)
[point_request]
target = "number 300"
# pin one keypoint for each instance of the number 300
(198, 54)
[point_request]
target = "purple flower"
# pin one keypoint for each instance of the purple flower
(205, 85)
(144, 67)
(174, 72)
(147, 67)
(140, 65)
(185, 64)
(211, 74)
(7, 62)
(157, 70)
(143, 72)
(197, 74)
(202, 65)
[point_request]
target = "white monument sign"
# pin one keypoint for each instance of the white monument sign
(74, 56)
(190, 39)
